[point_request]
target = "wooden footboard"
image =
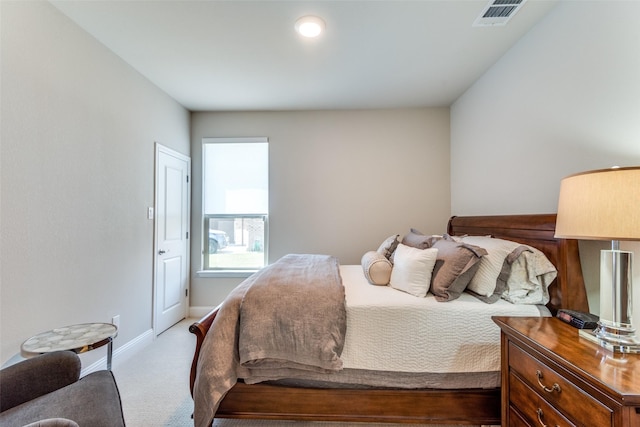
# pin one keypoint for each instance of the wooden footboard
(428, 406)
(370, 406)
(199, 329)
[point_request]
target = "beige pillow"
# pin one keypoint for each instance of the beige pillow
(412, 269)
(531, 275)
(490, 281)
(456, 264)
(376, 267)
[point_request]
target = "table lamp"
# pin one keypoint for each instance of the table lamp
(605, 205)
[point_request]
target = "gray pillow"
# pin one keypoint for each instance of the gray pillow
(416, 239)
(455, 266)
(388, 247)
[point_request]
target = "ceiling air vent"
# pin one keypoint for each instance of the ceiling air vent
(498, 12)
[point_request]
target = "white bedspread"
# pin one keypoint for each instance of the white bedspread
(456, 336)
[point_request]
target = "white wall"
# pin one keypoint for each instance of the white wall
(78, 133)
(564, 99)
(340, 181)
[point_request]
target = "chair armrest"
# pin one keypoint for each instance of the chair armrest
(38, 376)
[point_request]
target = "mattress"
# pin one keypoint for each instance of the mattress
(389, 330)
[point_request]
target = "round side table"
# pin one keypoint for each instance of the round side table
(77, 338)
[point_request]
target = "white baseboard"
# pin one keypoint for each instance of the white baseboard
(199, 312)
(122, 353)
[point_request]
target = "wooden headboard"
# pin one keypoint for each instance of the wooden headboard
(568, 290)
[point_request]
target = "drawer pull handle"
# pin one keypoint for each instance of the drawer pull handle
(540, 415)
(555, 386)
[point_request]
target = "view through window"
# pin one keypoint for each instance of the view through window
(235, 203)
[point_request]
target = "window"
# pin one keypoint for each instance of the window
(235, 203)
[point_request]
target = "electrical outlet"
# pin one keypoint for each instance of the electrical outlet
(116, 321)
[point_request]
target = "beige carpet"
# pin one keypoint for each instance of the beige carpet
(154, 387)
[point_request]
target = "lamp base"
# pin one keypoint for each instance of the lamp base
(612, 340)
(615, 329)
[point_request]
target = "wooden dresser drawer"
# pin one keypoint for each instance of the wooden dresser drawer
(586, 384)
(634, 417)
(533, 407)
(557, 390)
(516, 420)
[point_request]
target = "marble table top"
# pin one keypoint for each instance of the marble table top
(77, 338)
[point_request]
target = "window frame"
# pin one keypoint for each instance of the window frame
(228, 272)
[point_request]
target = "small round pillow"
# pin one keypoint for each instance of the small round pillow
(377, 268)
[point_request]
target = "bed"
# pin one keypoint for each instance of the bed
(431, 405)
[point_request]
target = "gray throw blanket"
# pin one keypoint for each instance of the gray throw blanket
(285, 320)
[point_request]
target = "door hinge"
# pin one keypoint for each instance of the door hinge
(187, 178)
(186, 292)
(187, 235)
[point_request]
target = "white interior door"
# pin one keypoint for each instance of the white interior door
(172, 238)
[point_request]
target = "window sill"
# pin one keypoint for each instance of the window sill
(225, 273)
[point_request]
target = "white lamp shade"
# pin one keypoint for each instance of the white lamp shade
(600, 205)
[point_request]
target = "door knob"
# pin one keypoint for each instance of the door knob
(160, 252)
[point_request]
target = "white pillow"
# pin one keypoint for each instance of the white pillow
(485, 281)
(412, 269)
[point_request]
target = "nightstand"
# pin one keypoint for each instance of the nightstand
(553, 377)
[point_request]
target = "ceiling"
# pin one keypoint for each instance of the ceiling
(234, 55)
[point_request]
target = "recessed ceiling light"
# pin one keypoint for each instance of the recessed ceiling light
(309, 26)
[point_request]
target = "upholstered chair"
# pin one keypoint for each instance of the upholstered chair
(47, 391)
